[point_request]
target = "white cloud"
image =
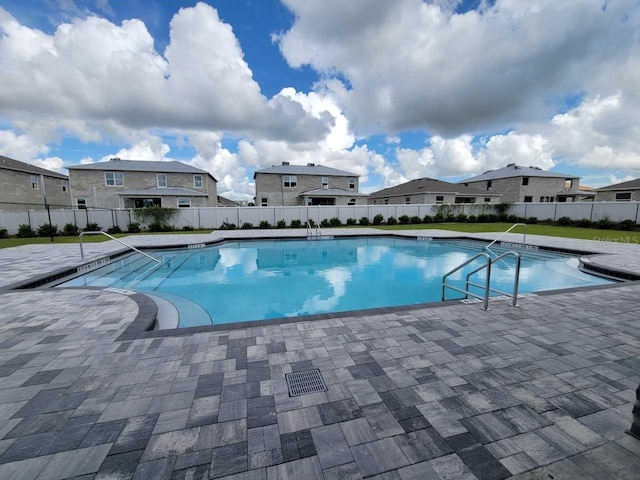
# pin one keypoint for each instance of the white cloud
(392, 140)
(613, 179)
(20, 147)
(527, 150)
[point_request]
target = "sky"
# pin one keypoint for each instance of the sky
(391, 91)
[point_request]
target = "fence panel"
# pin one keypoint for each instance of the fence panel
(615, 211)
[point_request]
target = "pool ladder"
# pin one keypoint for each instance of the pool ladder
(313, 233)
(487, 283)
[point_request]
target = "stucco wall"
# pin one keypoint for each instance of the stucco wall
(271, 187)
(16, 192)
(611, 196)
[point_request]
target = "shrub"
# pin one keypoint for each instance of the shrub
(325, 223)
(472, 219)
(364, 221)
(391, 221)
(438, 218)
(70, 229)
(403, 219)
(513, 219)
(281, 224)
(246, 226)
(564, 221)
(492, 217)
(159, 227)
(461, 217)
(482, 218)
(3, 233)
(532, 220)
(264, 224)
(378, 219)
(623, 225)
(92, 227)
(159, 217)
(427, 219)
(335, 222)
(296, 223)
(46, 230)
(351, 221)
(25, 231)
(605, 223)
(311, 223)
(187, 228)
(450, 217)
(228, 226)
(415, 220)
(502, 217)
(133, 227)
(113, 230)
(584, 223)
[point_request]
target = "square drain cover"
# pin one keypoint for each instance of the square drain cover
(301, 383)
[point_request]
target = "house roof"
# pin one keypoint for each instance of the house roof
(577, 192)
(227, 202)
(164, 192)
(630, 185)
(430, 185)
(308, 169)
(118, 165)
(11, 164)
(331, 192)
(513, 170)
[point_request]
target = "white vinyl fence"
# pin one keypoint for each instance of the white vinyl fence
(210, 218)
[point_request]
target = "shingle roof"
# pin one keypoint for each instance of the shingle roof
(309, 169)
(630, 185)
(227, 202)
(430, 185)
(11, 164)
(513, 170)
(119, 165)
(332, 192)
(166, 191)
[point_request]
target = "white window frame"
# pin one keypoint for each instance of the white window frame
(114, 178)
(325, 182)
(352, 201)
(195, 181)
(35, 182)
(441, 201)
(264, 202)
(352, 183)
(623, 199)
(407, 200)
(487, 199)
(158, 177)
(289, 181)
(82, 205)
(184, 198)
(64, 184)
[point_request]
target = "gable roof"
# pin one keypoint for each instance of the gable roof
(308, 169)
(430, 185)
(513, 170)
(11, 164)
(118, 165)
(630, 185)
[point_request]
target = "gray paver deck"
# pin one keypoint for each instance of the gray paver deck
(447, 392)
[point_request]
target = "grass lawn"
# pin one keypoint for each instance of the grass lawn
(532, 229)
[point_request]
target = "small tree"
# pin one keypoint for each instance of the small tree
(46, 230)
(158, 218)
(378, 219)
(25, 231)
(70, 229)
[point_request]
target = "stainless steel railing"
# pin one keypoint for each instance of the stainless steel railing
(119, 241)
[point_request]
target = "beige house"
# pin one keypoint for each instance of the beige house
(136, 184)
(26, 187)
(620, 192)
(431, 191)
(529, 184)
(310, 184)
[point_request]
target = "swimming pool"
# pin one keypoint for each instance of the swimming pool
(257, 280)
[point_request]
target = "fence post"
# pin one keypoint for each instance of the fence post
(634, 431)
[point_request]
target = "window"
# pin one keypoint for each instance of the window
(439, 199)
(162, 179)
(352, 201)
(407, 199)
(147, 202)
(35, 182)
(197, 181)
(113, 179)
(489, 184)
(623, 197)
(546, 199)
(184, 202)
(64, 184)
(352, 183)
(528, 199)
(264, 202)
(465, 200)
(487, 199)
(325, 182)
(525, 181)
(386, 201)
(81, 203)
(289, 181)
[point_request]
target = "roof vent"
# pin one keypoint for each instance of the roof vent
(489, 171)
(511, 165)
(115, 159)
(285, 163)
(311, 164)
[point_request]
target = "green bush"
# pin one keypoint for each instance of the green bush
(427, 219)
(351, 221)
(492, 218)
(532, 220)
(159, 227)
(335, 222)
(228, 226)
(415, 220)
(246, 226)
(502, 217)
(3, 233)
(25, 231)
(159, 217)
(46, 230)
(450, 217)
(378, 219)
(92, 227)
(113, 230)
(133, 227)
(325, 223)
(311, 223)
(70, 229)
(564, 221)
(461, 218)
(472, 219)
(296, 223)
(364, 221)
(403, 219)
(627, 224)
(513, 219)
(482, 218)
(264, 224)
(584, 223)
(391, 221)
(281, 224)
(605, 223)
(187, 228)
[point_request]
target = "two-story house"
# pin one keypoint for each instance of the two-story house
(26, 187)
(431, 191)
(310, 184)
(528, 184)
(135, 184)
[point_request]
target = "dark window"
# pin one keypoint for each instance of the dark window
(81, 203)
(465, 200)
(264, 202)
(525, 180)
(386, 201)
(35, 182)
(147, 202)
(407, 199)
(623, 197)
(439, 198)
(352, 183)
(487, 199)
(290, 181)
(352, 201)
(64, 184)
(528, 199)
(489, 184)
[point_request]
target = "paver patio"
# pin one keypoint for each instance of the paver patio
(541, 391)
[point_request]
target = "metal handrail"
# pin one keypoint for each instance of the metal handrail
(516, 277)
(119, 241)
(485, 298)
(524, 239)
(310, 233)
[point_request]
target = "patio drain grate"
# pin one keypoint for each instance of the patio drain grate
(301, 383)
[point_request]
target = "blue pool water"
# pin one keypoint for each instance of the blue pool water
(257, 280)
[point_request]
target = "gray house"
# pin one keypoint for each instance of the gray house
(620, 192)
(311, 184)
(136, 184)
(431, 191)
(24, 186)
(529, 184)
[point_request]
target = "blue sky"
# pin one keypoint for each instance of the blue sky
(389, 90)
